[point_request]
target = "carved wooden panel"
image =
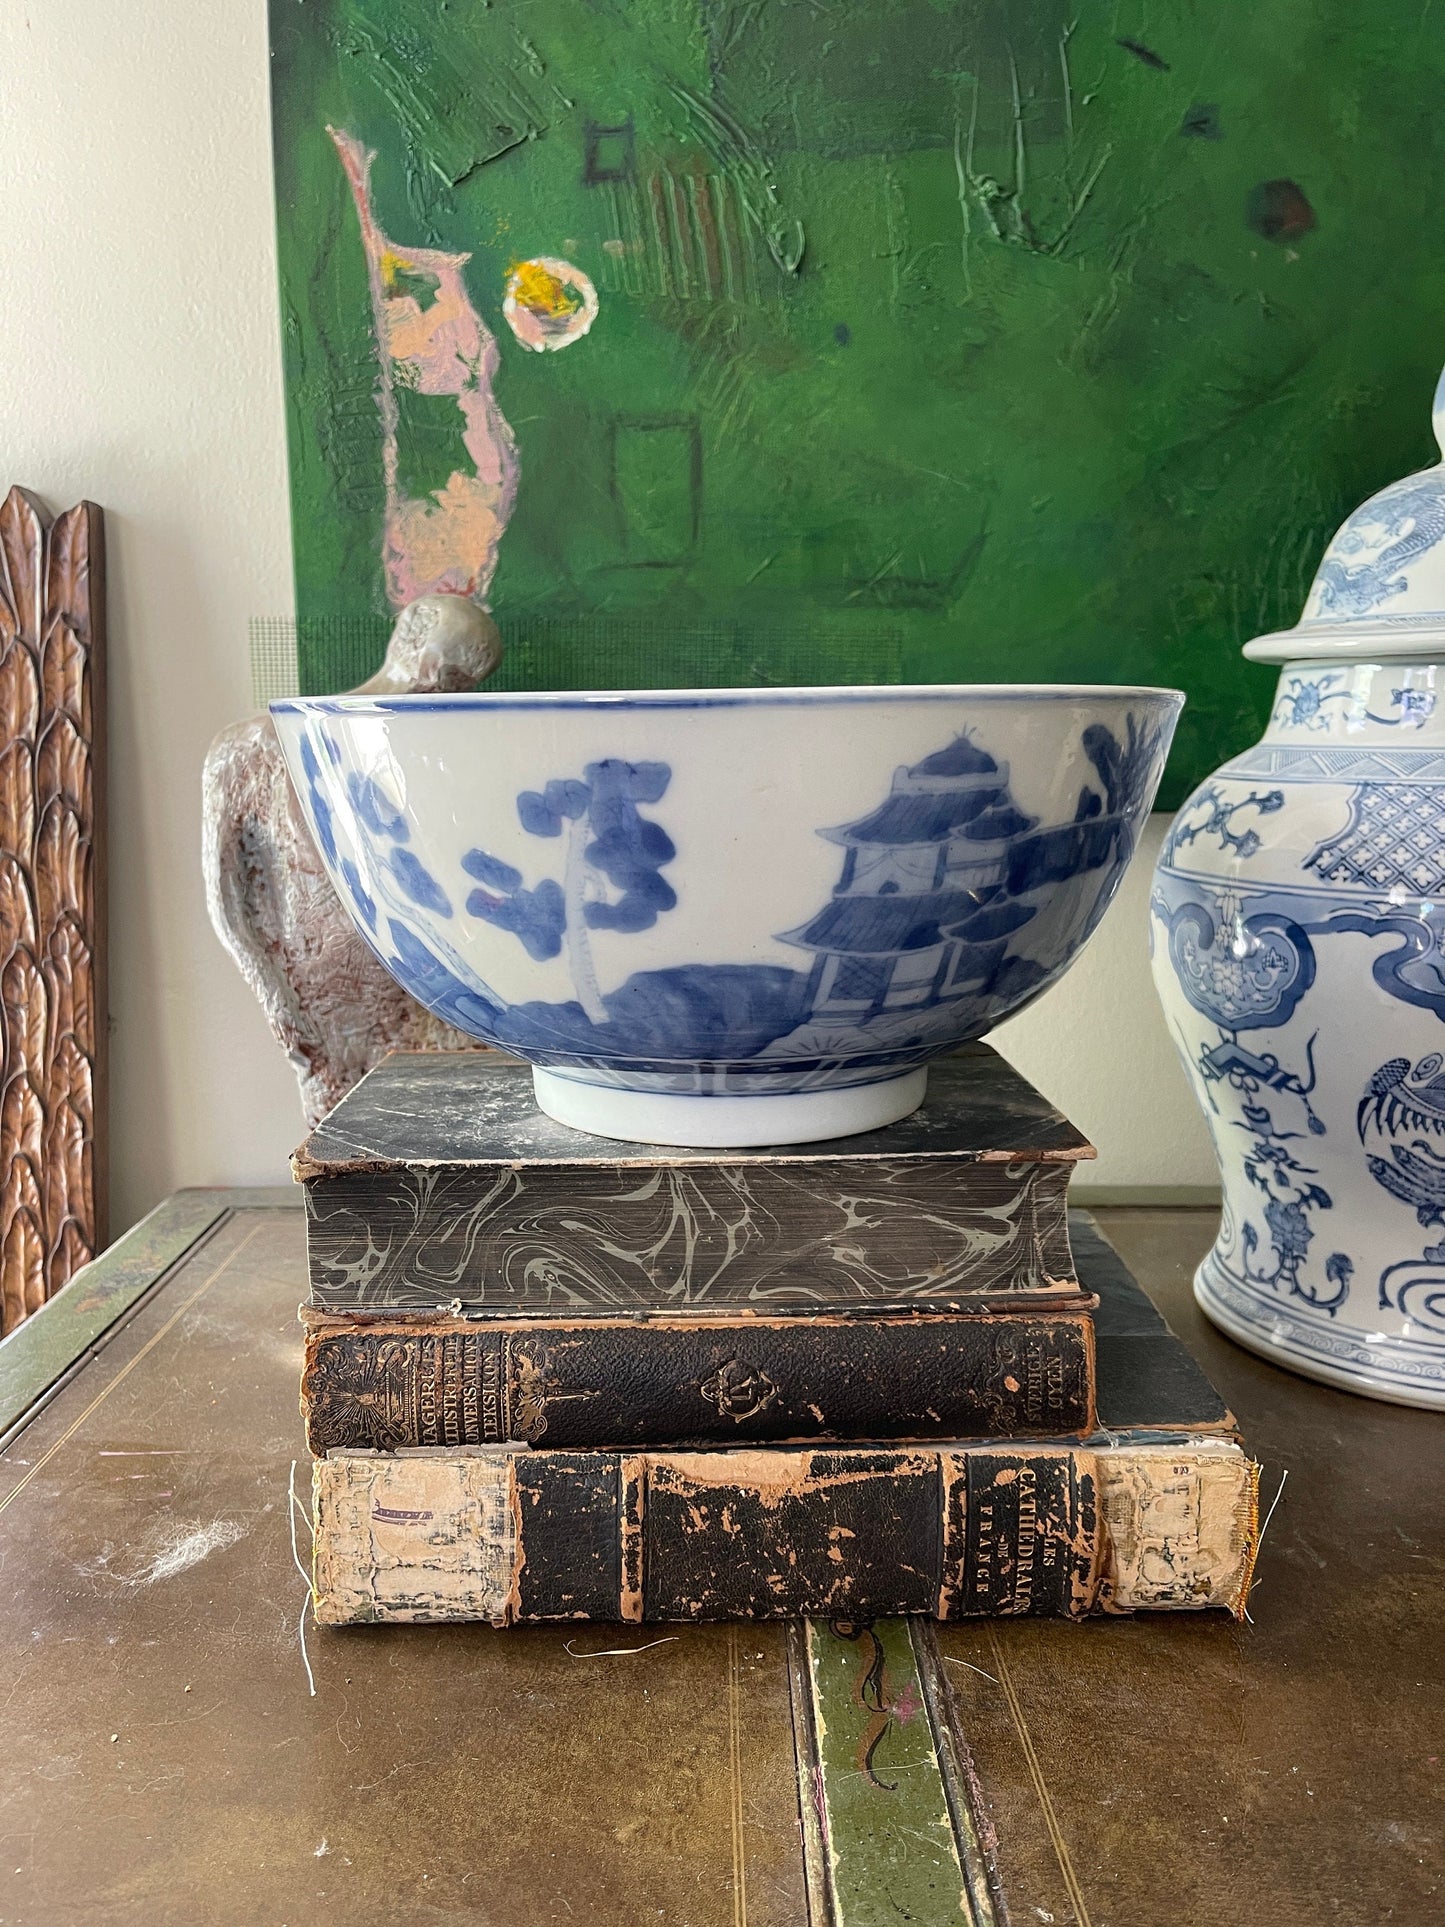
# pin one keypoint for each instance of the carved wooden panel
(52, 898)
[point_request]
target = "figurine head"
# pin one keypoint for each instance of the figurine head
(440, 643)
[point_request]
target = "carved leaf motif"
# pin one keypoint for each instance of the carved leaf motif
(69, 1252)
(64, 685)
(67, 576)
(17, 906)
(17, 798)
(70, 1077)
(60, 866)
(26, 1002)
(63, 766)
(22, 1251)
(22, 1270)
(19, 695)
(22, 1121)
(68, 977)
(22, 576)
(67, 1167)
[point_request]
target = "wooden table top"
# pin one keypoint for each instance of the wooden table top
(166, 1761)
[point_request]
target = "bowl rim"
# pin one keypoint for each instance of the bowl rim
(802, 696)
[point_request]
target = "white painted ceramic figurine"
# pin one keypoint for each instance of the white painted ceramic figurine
(333, 1009)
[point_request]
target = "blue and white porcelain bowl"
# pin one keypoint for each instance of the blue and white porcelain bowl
(729, 917)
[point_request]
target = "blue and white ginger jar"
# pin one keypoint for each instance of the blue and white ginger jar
(1298, 930)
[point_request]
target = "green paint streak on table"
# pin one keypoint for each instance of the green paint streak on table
(889, 1847)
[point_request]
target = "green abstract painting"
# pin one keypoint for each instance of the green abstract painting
(736, 341)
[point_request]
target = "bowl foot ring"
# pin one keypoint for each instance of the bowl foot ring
(720, 1123)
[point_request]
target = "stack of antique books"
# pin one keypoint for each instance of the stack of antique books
(552, 1376)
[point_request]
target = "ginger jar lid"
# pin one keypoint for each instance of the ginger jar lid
(1380, 590)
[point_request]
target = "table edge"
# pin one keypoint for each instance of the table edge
(51, 1345)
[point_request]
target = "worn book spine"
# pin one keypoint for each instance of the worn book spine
(385, 1383)
(508, 1535)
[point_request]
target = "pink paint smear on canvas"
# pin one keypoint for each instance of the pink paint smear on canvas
(444, 543)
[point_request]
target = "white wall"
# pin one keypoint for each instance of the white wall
(1098, 1045)
(139, 344)
(139, 349)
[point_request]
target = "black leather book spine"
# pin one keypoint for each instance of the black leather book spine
(384, 1384)
(747, 1534)
(864, 1534)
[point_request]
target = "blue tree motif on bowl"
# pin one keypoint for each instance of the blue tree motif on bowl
(612, 869)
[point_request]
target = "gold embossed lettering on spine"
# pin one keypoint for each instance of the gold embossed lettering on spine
(52, 898)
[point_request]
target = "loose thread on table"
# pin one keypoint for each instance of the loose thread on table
(1278, 1495)
(291, 1511)
(971, 1667)
(620, 1652)
(300, 1509)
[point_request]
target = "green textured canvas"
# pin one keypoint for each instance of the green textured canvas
(736, 341)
